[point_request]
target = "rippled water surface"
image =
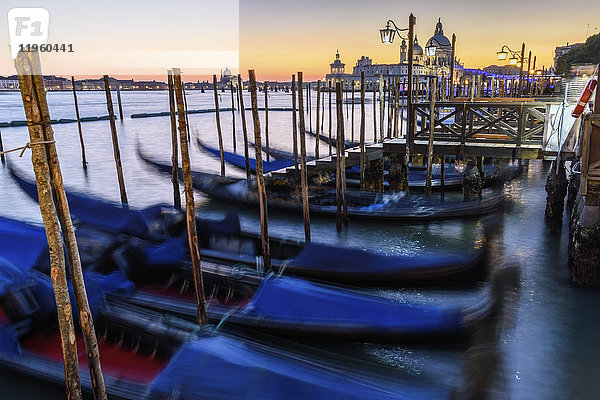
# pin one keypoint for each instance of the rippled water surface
(549, 346)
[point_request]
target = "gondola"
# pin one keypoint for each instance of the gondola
(145, 355)
(276, 304)
(240, 162)
(453, 178)
(398, 206)
(224, 242)
(333, 140)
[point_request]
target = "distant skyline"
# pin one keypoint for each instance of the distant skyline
(141, 39)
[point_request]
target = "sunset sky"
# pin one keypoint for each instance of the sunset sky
(140, 39)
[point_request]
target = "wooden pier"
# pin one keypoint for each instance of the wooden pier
(497, 128)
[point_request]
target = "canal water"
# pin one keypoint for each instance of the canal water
(549, 347)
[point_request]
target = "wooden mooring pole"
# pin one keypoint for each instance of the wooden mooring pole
(411, 127)
(453, 61)
(309, 107)
(338, 161)
(390, 108)
(520, 91)
(352, 119)
(64, 217)
(244, 128)
(119, 102)
(36, 111)
(295, 126)
(187, 118)
(323, 108)
(260, 179)
(2, 149)
(303, 168)
(362, 130)
(381, 107)
(81, 143)
(330, 121)
(531, 87)
(396, 107)
(374, 112)
(267, 120)
(115, 142)
(318, 141)
(218, 121)
(233, 117)
(174, 145)
(190, 206)
(431, 133)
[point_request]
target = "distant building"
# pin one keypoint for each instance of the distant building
(507, 70)
(52, 82)
(562, 50)
(148, 85)
(438, 64)
(9, 83)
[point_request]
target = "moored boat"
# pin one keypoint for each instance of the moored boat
(147, 356)
(398, 206)
(274, 304)
(239, 161)
(224, 242)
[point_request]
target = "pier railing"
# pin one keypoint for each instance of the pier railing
(503, 122)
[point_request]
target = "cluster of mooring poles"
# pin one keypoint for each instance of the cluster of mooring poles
(59, 229)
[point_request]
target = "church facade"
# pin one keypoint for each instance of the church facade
(423, 65)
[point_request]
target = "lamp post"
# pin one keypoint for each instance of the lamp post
(515, 59)
(387, 36)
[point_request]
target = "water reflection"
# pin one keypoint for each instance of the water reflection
(548, 348)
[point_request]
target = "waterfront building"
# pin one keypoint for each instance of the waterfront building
(148, 85)
(505, 70)
(423, 65)
(562, 50)
(9, 83)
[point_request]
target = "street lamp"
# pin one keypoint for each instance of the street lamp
(430, 50)
(387, 36)
(517, 59)
(388, 33)
(515, 56)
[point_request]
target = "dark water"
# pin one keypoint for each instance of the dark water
(549, 345)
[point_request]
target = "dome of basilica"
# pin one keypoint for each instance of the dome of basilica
(438, 39)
